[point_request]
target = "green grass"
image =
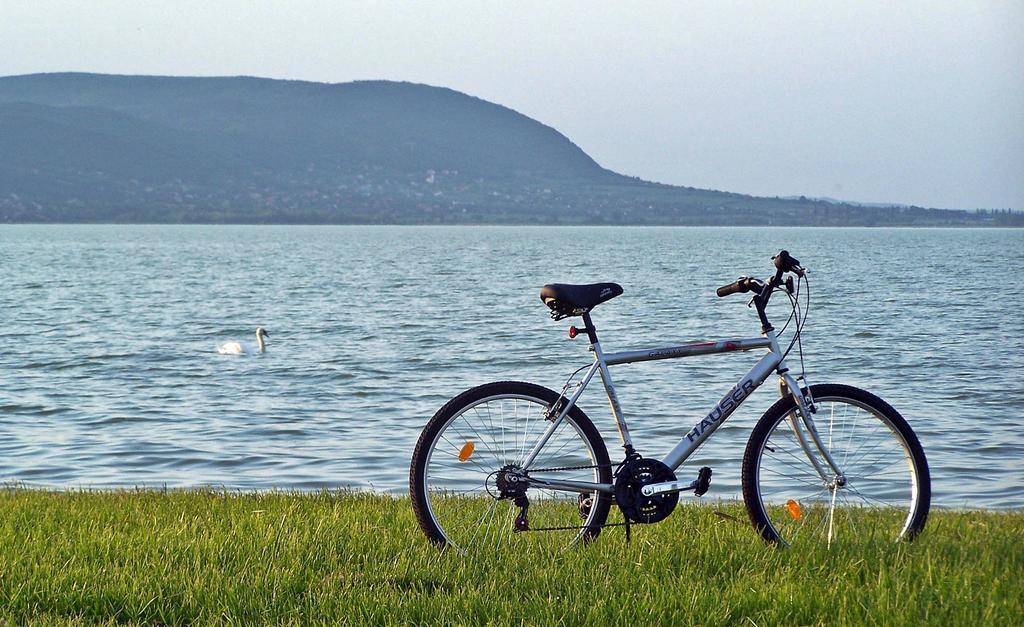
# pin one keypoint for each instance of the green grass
(211, 557)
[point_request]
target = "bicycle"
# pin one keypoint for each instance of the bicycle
(506, 459)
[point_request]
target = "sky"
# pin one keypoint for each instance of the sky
(908, 102)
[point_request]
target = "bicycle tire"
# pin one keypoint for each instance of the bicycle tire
(788, 501)
(448, 493)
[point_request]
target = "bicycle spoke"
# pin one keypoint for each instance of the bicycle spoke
(475, 463)
(479, 438)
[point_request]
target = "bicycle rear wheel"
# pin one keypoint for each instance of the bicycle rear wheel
(887, 487)
(467, 444)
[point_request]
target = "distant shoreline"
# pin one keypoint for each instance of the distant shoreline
(535, 225)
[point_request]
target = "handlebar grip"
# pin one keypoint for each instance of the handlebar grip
(742, 284)
(784, 262)
(725, 290)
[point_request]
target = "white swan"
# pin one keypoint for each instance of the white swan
(242, 348)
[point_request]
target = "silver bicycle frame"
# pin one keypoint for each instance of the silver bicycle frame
(773, 361)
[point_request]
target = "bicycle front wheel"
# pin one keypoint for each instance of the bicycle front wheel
(471, 448)
(885, 491)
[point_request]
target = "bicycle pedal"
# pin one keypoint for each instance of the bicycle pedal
(703, 482)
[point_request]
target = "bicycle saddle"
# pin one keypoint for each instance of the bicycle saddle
(566, 300)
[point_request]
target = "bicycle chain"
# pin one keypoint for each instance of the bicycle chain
(566, 468)
(570, 528)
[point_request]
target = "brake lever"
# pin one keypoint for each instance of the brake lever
(757, 292)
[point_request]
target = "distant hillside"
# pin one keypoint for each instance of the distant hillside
(88, 147)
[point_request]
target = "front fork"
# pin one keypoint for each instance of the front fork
(805, 408)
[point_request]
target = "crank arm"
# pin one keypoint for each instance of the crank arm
(699, 487)
(651, 489)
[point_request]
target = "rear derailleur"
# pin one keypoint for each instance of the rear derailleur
(512, 484)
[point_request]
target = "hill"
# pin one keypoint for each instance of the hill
(89, 147)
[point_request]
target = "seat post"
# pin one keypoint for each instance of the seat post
(591, 329)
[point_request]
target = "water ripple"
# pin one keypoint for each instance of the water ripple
(111, 378)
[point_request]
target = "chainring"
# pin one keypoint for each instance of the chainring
(632, 476)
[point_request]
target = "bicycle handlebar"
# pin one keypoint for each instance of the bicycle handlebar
(763, 289)
(784, 262)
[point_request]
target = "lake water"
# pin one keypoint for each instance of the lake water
(109, 374)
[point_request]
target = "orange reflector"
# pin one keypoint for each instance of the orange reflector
(794, 509)
(467, 451)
